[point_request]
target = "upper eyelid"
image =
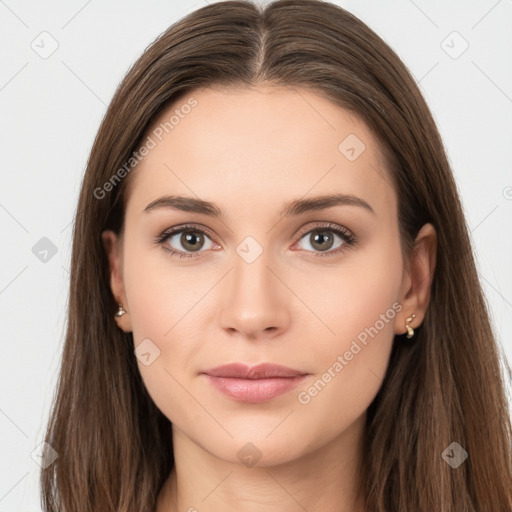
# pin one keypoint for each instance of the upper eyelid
(167, 233)
(324, 225)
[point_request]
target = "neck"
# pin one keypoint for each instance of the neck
(326, 479)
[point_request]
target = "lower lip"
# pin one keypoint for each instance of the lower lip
(254, 391)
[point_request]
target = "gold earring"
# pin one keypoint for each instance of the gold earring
(120, 311)
(410, 330)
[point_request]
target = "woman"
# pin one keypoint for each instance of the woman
(274, 303)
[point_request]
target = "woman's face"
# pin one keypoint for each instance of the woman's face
(278, 276)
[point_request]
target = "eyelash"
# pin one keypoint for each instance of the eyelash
(348, 238)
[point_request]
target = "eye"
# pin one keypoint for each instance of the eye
(189, 239)
(322, 239)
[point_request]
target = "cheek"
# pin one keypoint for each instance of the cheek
(160, 293)
(161, 301)
(352, 361)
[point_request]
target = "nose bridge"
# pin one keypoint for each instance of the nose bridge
(255, 298)
(252, 276)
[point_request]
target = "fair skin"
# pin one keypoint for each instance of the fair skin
(250, 151)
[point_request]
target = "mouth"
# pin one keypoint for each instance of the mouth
(254, 384)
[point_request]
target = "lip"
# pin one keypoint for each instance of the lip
(254, 384)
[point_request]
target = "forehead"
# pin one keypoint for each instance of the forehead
(254, 148)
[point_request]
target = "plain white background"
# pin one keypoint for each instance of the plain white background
(51, 109)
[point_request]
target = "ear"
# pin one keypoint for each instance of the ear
(417, 280)
(113, 248)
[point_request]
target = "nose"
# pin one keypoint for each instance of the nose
(255, 302)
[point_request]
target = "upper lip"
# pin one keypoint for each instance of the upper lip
(259, 371)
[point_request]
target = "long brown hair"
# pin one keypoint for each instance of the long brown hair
(114, 445)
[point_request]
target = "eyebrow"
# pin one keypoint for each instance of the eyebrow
(292, 208)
